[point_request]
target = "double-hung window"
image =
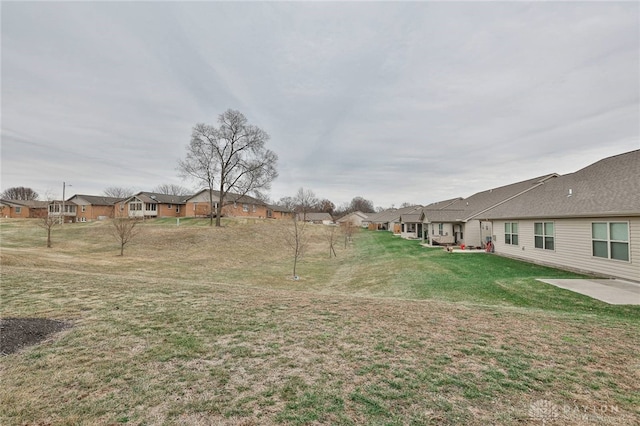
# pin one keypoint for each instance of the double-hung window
(610, 240)
(543, 235)
(511, 233)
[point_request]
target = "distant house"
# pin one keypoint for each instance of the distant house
(317, 218)
(389, 220)
(460, 220)
(588, 220)
(235, 205)
(152, 205)
(93, 207)
(411, 225)
(278, 212)
(23, 209)
(357, 218)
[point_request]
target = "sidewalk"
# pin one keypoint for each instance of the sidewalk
(614, 292)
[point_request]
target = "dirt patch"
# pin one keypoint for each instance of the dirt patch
(17, 333)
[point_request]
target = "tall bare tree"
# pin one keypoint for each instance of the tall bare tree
(232, 156)
(19, 193)
(124, 229)
(172, 189)
(118, 192)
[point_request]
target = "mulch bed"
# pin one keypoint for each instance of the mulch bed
(17, 333)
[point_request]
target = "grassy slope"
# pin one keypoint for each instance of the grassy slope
(188, 328)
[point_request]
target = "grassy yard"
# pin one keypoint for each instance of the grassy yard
(198, 325)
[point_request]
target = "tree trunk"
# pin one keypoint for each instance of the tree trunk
(121, 249)
(210, 206)
(220, 204)
(49, 238)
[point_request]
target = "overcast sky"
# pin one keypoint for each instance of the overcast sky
(396, 102)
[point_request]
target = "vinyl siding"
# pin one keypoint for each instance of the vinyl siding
(572, 246)
(471, 233)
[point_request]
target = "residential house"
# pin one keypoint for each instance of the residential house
(317, 218)
(461, 218)
(357, 218)
(93, 207)
(587, 221)
(235, 205)
(411, 225)
(23, 209)
(389, 220)
(152, 205)
(278, 212)
(63, 210)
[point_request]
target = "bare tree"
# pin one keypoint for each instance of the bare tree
(330, 235)
(49, 222)
(124, 229)
(348, 230)
(172, 189)
(118, 192)
(19, 193)
(305, 200)
(295, 237)
(233, 153)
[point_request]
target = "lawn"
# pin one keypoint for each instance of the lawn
(200, 325)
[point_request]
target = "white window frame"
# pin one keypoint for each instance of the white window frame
(509, 234)
(544, 236)
(609, 241)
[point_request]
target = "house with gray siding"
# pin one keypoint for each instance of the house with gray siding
(459, 222)
(587, 221)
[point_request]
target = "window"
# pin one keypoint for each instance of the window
(19, 210)
(543, 235)
(177, 209)
(84, 208)
(610, 240)
(254, 208)
(245, 207)
(135, 206)
(440, 229)
(169, 206)
(511, 233)
(151, 207)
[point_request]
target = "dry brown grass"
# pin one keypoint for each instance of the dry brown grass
(187, 328)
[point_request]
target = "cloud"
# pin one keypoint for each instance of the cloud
(392, 101)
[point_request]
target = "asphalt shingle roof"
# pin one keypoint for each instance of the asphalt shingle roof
(609, 187)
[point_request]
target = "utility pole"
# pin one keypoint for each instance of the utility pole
(64, 184)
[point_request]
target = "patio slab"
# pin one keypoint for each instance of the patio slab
(611, 291)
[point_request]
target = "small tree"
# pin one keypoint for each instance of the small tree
(296, 239)
(48, 223)
(124, 229)
(330, 235)
(348, 229)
